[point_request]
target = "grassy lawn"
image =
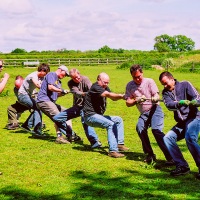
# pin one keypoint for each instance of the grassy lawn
(41, 169)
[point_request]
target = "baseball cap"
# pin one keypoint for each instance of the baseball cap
(64, 68)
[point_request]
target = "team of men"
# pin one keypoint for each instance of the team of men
(90, 101)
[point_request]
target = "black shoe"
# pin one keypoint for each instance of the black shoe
(150, 158)
(180, 171)
(170, 162)
(26, 128)
(75, 138)
(12, 126)
(39, 134)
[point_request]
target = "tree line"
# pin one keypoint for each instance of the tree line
(163, 43)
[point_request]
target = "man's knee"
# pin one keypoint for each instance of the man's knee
(170, 137)
(190, 138)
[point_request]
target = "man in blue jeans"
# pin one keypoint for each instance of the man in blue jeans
(143, 93)
(79, 86)
(25, 92)
(183, 99)
(94, 108)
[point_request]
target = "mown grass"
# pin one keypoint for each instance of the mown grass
(41, 169)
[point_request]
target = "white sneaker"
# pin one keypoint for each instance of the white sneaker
(96, 145)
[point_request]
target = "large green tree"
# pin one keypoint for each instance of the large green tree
(166, 43)
(19, 50)
(107, 49)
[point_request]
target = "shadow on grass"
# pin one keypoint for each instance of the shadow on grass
(46, 136)
(12, 192)
(102, 185)
(106, 185)
(87, 148)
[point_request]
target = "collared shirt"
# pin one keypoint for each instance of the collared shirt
(148, 88)
(183, 90)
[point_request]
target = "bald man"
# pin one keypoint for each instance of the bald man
(94, 108)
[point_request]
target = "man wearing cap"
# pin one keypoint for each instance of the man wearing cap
(50, 90)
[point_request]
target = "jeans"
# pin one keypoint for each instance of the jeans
(191, 137)
(35, 118)
(114, 126)
(154, 119)
(73, 112)
(190, 132)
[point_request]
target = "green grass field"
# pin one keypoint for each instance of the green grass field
(41, 169)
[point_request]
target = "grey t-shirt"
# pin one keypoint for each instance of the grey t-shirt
(28, 86)
(78, 89)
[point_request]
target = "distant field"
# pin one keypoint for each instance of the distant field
(41, 169)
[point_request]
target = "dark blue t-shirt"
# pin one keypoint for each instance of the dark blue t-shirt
(45, 94)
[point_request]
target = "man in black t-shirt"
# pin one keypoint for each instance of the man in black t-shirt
(94, 108)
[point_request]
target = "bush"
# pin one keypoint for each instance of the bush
(168, 63)
(125, 65)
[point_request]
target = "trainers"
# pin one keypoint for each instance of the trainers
(115, 154)
(61, 140)
(180, 171)
(121, 147)
(170, 162)
(150, 158)
(39, 134)
(97, 144)
(26, 128)
(75, 138)
(13, 126)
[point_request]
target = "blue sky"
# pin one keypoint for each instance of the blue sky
(91, 24)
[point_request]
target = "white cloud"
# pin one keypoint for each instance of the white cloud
(90, 24)
(16, 7)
